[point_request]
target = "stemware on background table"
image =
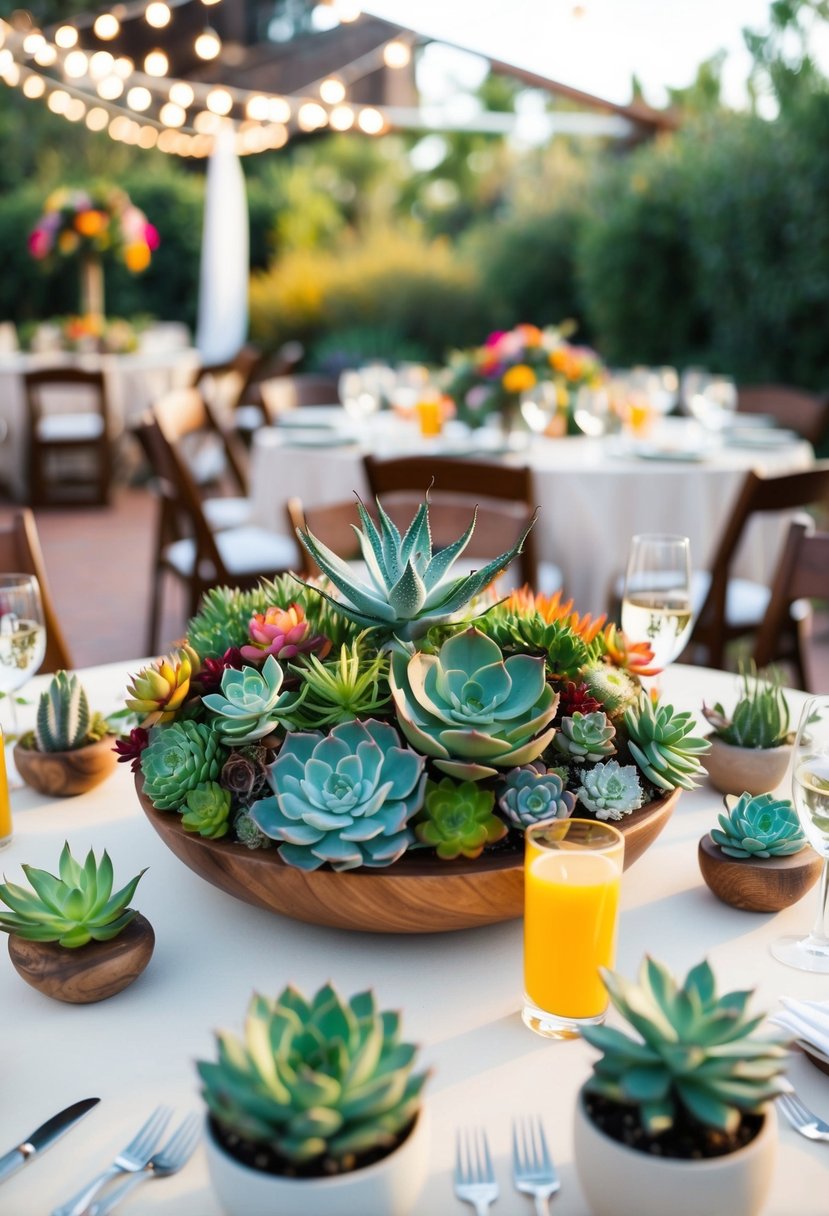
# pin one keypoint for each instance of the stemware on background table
(22, 647)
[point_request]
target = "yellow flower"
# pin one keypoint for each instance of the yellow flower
(68, 242)
(90, 223)
(562, 397)
(137, 256)
(519, 378)
(158, 691)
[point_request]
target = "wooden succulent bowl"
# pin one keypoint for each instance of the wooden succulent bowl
(415, 895)
(90, 973)
(758, 884)
(63, 774)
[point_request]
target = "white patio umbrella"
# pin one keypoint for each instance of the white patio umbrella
(223, 285)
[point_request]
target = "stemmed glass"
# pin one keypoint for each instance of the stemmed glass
(359, 395)
(539, 406)
(810, 794)
(656, 602)
(22, 644)
(592, 410)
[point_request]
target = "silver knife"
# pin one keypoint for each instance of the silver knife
(46, 1134)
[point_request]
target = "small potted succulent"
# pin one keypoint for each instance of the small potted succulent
(680, 1116)
(751, 747)
(70, 936)
(70, 749)
(318, 1110)
(758, 859)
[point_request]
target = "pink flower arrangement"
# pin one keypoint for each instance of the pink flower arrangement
(93, 223)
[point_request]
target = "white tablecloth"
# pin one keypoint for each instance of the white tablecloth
(133, 382)
(593, 498)
(459, 992)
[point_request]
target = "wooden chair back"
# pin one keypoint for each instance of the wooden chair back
(503, 494)
(802, 574)
(178, 488)
(38, 384)
(801, 411)
(231, 378)
(759, 495)
(20, 553)
(280, 394)
(187, 418)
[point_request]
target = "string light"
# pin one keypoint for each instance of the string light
(172, 115)
(182, 94)
(139, 98)
(332, 90)
(208, 44)
(147, 137)
(106, 27)
(34, 86)
(97, 118)
(58, 101)
(311, 116)
(371, 121)
(75, 111)
(12, 75)
(157, 14)
(397, 54)
(66, 36)
(219, 101)
(341, 118)
(206, 123)
(75, 65)
(110, 88)
(33, 42)
(279, 110)
(257, 108)
(156, 63)
(124, 66)
(347, 11)
(6, 60)
(101, 64)
(46, 55)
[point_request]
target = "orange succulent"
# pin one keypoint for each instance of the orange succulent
(635, 657)
(524, 602)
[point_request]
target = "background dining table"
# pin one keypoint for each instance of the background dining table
(594, 493)
(460, 994)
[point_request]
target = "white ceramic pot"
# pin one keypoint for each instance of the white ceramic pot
(391, 1187)
(620, 1181)
(753, 770)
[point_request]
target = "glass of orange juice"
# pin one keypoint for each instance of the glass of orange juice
(572, 875)
(429, 410)
(5, 806)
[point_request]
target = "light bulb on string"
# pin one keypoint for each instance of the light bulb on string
(106, 27)
(110, 88)
(181, 93)
(279, 110)
(46, 55)
(6, 60)
(33, 86)
(139, 98)
(76, 110)
(147, 137)
(101, 64)
(257, 108)
(341, 118)
(371, 121)
(332, 91)
(33, 42)
(66, 36)
(97, 118)
(58, 101)
(75, 65)
(157, 14)
(310, 116)
(397, 54)
(208, 44)
(172, 115)
(219, 101)
(206, 123)
(347, 11)
(156, 63)
(11, 75)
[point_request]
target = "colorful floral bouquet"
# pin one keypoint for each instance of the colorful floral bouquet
(92, 223)
(491, 378)
(347, 722)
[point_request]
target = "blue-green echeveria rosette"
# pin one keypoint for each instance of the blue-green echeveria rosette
(759, 826)
(533, 795)
(610, 790)
(586, 736)
(344, 798)
(251, 703)
(180, 757)
(471, 710)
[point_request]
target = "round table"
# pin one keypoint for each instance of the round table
(594, 494)
(460, 995)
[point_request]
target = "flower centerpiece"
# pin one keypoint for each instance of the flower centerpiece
(490, 379)
(351, 724)
(89, 225)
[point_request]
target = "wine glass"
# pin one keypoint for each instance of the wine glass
(358, 394)
(539, 406)
(810, 794)
(656, 602)
(22, 644)
(592, 410)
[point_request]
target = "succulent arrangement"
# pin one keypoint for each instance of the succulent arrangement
(760, 719)
(316, 1086)
(64, 721)
(346, 723)
(693, 1070)
(759, 825)
(73, 907)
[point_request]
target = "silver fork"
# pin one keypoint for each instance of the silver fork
(474, 1176)
(802, 1119)
(533, 1171)
(134, 1157)
(166, 1161)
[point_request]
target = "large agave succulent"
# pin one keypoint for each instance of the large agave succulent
(471, 709)
(586, 736)
(71, 908)
(532, 794)
(694, 1051)
(321, 1080)
(457, 819)
(759, 826)
(344, 798)
(251, 703)
(661, 743)
(64, 721)
(179, 758)
(610, 790)
(410, 588)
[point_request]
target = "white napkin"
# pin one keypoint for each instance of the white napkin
(808, 1021)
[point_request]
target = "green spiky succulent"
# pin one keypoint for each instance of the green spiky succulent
(71, 908)
(206, 810)
(471, 709)
(759, 825)
(410, 588)
(610, 790)
(662, 745)
(315, 1080)
(761, 716)
(180, 757)
(252, 703)
(612, 687)
(64, 721)
(457, 819)
(353, 686)
(345, 798)
(564, 651)
(695, 1052)
(586, 736)
(532, 794)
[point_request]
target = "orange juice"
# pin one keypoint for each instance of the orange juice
(572, 876)
(5, 806)
(430, 416)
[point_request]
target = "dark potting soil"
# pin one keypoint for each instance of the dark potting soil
(688, 1139)
(263, 1158)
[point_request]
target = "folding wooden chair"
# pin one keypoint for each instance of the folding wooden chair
(802, 574)
(281, 394)
(806, 413)
(20, 553)
(56, 434)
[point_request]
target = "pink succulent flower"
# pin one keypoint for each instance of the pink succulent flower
(282, 632)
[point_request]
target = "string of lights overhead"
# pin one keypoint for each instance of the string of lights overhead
(142, 104)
